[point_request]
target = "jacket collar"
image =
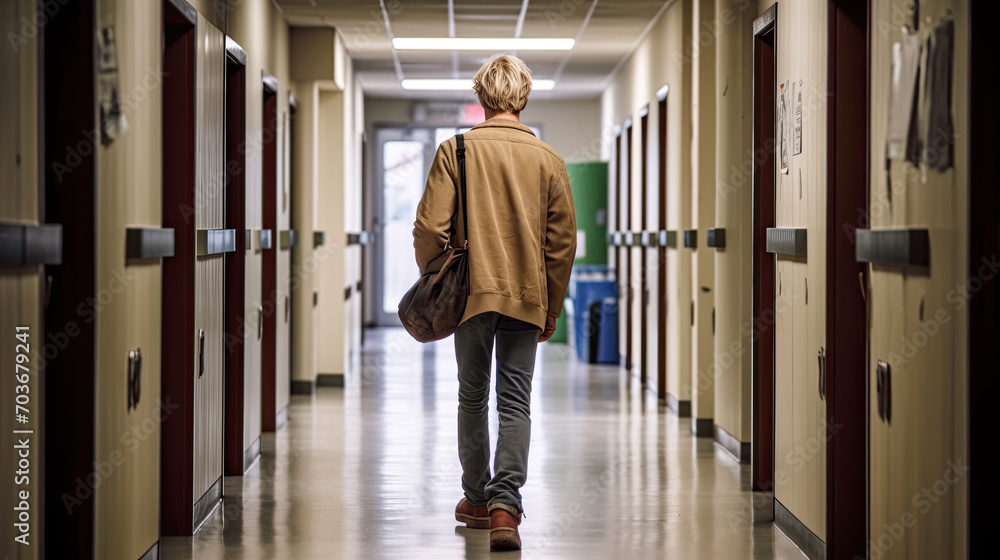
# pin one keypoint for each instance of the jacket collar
(503, 123)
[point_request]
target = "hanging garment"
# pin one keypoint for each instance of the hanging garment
(902, 90)
(915, 136)
(937, 131)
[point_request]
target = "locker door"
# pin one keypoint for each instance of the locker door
(209, 267)
(242, 437)
(918, 309)
(270, 294)
(21, 191)
(800, 246)
(194, 202)
(283, 302)
(130, 246)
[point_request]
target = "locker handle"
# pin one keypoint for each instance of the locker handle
(883, 389)
(134, 384)
(821, 363)
(286, 309)
(201, 353)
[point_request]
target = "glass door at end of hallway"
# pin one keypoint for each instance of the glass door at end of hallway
(402, 157)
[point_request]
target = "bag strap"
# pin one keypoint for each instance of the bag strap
(460, 155)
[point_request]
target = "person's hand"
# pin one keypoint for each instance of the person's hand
(550, 328)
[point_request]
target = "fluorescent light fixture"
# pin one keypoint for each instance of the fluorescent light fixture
(460, 84)
(497, 44)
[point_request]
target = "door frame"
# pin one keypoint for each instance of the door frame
(233, 439)
(644, 250)
(67, 61)
(763, 263)
(661, 247)
(627, 222)
(178, 322)
(846, 363)
(269, 257)
(984, 241)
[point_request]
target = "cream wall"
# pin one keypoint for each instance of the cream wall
(661, 59)
(327, 198)
(572, 127)
(734, 213)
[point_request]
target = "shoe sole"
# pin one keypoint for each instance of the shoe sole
(473, 522)
(505, 539)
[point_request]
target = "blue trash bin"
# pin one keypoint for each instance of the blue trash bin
(607, 332)
(589, 316)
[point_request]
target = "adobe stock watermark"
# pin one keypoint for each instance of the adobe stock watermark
(359, 37)
(958, 297)
(922, 502)
(794, 461)
(31, 25)
(104, 469)
(709, 32)
(586, 499)
(91, 138)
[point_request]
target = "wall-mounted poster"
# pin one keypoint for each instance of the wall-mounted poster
(783, 125)
(797, 96)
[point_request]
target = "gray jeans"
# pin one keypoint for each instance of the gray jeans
(516, 342)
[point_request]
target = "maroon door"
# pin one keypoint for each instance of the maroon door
(762, 456)
(269, 281)
(236, 325)
(178, 321)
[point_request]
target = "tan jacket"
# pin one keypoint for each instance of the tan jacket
(522, 227)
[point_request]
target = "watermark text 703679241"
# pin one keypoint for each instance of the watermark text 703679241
(22, 437)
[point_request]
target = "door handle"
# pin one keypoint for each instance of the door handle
(134, 385)
(883, 389)
(201, 352)
(821, 362)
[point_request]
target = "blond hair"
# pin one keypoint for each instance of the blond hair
(503, 83)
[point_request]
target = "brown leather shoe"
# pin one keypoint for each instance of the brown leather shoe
(475, 517)
(503, 530)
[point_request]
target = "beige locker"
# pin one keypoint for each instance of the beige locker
(918, 470)
(209, 269)
(129, 406)
(800, 320)
(20, 295)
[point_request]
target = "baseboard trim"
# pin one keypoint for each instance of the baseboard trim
(682, 408)
(702, 427)
(740, 450)
(153, 553)
(798, 533)
(281, 418)
(205, 505)
(330, 380)
(303, 387)
(250, 454)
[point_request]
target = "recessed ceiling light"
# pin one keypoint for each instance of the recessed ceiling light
(498, 44)
(461, 84)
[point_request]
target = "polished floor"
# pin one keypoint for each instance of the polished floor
(371, 471)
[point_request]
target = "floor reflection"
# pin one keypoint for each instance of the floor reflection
(371, 471)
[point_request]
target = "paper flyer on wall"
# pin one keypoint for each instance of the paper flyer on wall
(783, 126)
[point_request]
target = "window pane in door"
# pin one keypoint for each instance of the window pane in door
(403, 178)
